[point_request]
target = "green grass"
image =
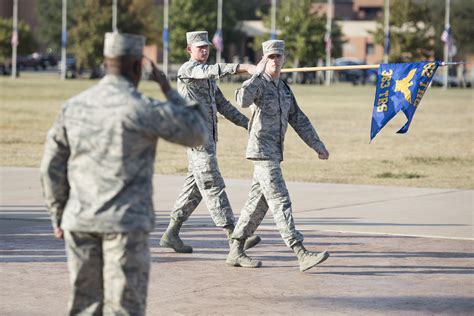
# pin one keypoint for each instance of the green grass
(436, 152)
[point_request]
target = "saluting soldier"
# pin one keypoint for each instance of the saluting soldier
(96, 175)
(273, 106)
(197, 82)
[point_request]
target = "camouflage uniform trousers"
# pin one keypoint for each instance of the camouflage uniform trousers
(108, 272)
(204, 180)
(268, 191)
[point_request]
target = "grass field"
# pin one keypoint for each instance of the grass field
(437, 151)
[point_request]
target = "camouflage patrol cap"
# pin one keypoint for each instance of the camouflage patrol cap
(122, 44)
(273, 47)
(197, 38)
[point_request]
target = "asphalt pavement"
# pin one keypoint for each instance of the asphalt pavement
(394, 251)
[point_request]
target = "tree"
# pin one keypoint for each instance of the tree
(134, 16)
(25, 37)
(50, 21)
(411, 32)
(303, 33)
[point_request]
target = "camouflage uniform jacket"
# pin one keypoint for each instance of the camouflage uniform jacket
(196, 81)
(97, 167)
(273, 106)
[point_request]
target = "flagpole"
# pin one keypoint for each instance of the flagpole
(273, 30)
(114, 16)
(386, 42)
(14, 38)
(219, 28)
(165, 37)
(64, 41)
(354, 67)
(328, 40)
(446, 44)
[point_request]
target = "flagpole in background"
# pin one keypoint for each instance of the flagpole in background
(14, 40)
(114, 16)
(219, 30)
(165, 37)
(386, 41)
(447, 36)
(328, 40)
(273, 30)
(64, 41)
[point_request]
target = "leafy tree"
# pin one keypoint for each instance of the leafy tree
(303, 33)
(134, 16)
(411, 33)
(50, 21)
(26, 41)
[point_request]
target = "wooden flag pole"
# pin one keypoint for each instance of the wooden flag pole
(326, 68)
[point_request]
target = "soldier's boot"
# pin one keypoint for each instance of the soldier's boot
(250, 242)
(308, 259)
(170, 238)
(238, 258)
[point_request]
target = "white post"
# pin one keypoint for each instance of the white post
(273, 30)
(14, 37)
(328, 40)
(386, 42)
(165, 37)
(114, 16)
(64, 41)
(219, 29)
(447, 25)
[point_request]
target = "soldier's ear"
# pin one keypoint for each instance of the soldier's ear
(188, 48)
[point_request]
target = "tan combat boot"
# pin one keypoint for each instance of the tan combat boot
(250, 242)
(170, 238)
(308, 259)
(238, 258)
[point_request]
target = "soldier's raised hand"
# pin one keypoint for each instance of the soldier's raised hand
(260, 69)
(158, 76)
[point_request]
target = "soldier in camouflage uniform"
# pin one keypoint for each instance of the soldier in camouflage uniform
(196, 81)
(96, 175)
(273, 106)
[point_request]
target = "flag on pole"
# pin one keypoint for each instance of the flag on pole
(165, 38)
(328, 41)
(447, 37)
(14, 40)
(386, 44)
(218, 41)
(400, 87)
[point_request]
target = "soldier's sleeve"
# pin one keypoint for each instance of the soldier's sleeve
(303, 127)
(229, 111)
(53, 170)
(204, 71)
(176, 121)
(250, 90)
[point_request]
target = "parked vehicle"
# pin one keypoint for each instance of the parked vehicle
(71, 68)
(355, 76)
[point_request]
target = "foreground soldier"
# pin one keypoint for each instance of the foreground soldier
(97, 174)
(274, 106)
(196, 81)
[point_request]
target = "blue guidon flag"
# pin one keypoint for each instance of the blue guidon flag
(400, 87)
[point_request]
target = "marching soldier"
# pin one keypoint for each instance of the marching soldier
(96, 175)
(196, 81)
(273, 106)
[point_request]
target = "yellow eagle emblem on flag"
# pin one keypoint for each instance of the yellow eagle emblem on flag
(403, 85)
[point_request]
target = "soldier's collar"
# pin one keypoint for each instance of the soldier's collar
(270, 79)
(116, 79)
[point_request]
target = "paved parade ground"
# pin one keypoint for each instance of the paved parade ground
(394, 251)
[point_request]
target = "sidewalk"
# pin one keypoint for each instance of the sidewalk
(395, 251)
